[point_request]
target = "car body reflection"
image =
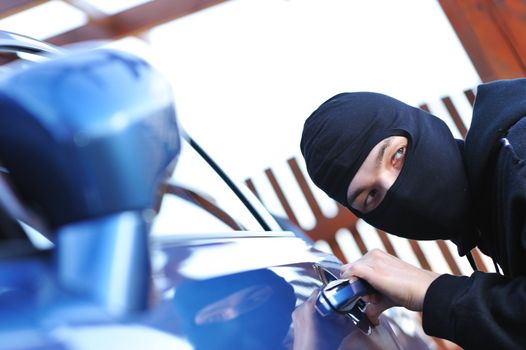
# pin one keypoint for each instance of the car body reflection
(142, 255)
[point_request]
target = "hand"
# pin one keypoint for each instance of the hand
(398, 283)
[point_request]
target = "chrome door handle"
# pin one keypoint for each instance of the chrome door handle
(342, 296)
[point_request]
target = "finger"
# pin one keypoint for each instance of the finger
(347, 271)
(376, 306)
(373, 267)
(344, 268)
(373, 297)
(373, 317)
(357, 271)
(373, 312)
(350, 278)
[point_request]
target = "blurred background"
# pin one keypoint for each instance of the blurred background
(247, 73)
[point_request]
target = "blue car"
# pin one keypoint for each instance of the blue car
(118, 231)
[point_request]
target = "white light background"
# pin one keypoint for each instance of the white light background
(247, 73)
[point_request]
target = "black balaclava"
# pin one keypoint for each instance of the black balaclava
(429, 199)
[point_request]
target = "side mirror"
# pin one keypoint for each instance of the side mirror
(87, 134)
(87, 138)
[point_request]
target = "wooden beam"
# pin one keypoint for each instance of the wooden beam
(8, 8)
(453, 112)
(133, 21)
(281, 196)
(470, 95)
(492, 33)
(511, 18)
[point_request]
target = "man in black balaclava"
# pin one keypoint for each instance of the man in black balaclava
(430, 198)
(401, 170)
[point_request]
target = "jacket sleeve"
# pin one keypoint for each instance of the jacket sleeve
(488, 310)
(483, 311)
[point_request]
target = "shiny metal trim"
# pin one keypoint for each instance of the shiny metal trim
(12, 42)
(185, 238)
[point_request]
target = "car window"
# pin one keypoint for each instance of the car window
(197, 200)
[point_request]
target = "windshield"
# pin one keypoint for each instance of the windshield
(197, 200)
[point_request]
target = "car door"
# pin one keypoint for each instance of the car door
(229, 283)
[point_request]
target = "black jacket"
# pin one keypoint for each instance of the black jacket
(488, 310)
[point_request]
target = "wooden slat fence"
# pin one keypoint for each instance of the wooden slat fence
(326, 228)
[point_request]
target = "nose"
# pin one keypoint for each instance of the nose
(386, 179)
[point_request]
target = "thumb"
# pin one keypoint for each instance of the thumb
(376, 304)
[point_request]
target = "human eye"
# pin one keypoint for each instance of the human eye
(399, 157)
(370, 198)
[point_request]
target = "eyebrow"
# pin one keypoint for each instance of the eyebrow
(380, 156)
(378, 161)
